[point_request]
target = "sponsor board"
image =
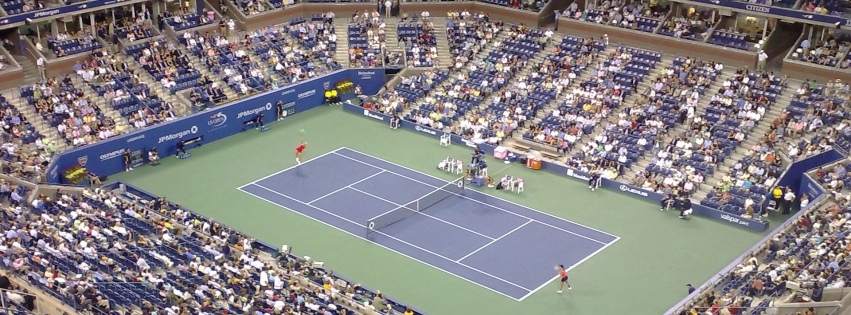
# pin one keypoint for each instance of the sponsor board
(137, 137)
(217, 120)
(426, 130)
(632, 190)
(112, 155)
(306, 94)
(372, 115)
(570, 172)
(179, 135)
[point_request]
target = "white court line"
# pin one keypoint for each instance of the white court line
(492, 196)
(569, 268)
(419, 212)
(389, 236)
(289, 168)
(494, 241)
(481, 202)
(341, 189)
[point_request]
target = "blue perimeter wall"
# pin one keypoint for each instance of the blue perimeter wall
(106, 157)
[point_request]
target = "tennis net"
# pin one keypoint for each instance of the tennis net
(455, 187)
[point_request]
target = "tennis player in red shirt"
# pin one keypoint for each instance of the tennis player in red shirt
(562, 273)
(298, 150)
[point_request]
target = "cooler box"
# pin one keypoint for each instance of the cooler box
(500, 152)
(533, 163)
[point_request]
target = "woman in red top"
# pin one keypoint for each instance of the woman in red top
(562, 273)
(298, 150)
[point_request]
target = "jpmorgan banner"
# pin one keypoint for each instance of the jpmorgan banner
(209, 125)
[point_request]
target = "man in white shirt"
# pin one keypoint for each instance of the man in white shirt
(762, 57)
(40, 63)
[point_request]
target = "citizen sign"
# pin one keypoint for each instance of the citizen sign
(757, 8)
(631, 190)
(425, 130)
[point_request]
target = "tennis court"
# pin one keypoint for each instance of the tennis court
(499, 245)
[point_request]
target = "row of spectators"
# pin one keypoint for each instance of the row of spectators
(742, 102)
(367, 40)
(229, 60)
(77, 118)
(285, 57)
(116, 254)
(167, 64)
(419, 41)
(815, 106)
(678, 167)
(810, 254)
(319, 37)
(488, 77)
(832, 51)
(469, 34)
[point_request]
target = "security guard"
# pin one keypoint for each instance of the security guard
(777, 194)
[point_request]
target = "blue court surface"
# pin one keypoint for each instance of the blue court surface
(497, 244)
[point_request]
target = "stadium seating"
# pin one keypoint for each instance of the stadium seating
(276, 51)
(728, 122)
(55, 110)
(829, 52)
(187, 21)
(421, 50)
(317, 35)
(182, 75)
(630, 16)
(134, 256)
(365, 42)
(729, 39)
(228, 60)
(15, 125)
(72, 46)
(468, 34)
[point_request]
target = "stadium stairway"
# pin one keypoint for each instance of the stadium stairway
(31, 76)
(199, 65)
(156, 87)
(517, 136)
(341, 29)
(13, 96)
(754, 137)
(702, 104)
(453, 74)
(534, 60)
(30, 70)
(444, 57)
(391, 38)
(102, 103)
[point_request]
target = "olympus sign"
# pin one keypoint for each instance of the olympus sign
(631, 190)
(306, 94)
(111, 155)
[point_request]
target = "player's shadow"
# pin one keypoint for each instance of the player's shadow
(299, 174)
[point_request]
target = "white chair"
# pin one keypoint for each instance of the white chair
(459, 167)
(445, 140)
(484, 172)
(519, 184)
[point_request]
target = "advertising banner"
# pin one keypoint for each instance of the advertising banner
(106, 157)
(811, 188)
(565, 171)
(780, 12)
